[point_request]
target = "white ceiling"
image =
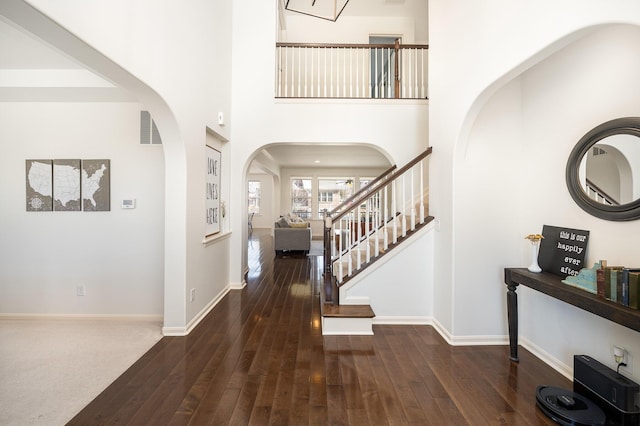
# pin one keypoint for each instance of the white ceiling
(31, 70)
(386, 8)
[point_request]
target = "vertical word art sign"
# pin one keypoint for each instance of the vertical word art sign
(212, 201)
(562, 250)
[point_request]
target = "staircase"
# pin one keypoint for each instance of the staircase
(362, 230)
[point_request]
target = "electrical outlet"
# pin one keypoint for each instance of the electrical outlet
(626, 358)
(628, 369)
(80, 290)
(192, 295)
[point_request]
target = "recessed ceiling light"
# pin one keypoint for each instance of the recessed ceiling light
(317, 161)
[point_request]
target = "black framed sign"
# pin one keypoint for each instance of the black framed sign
(562, 250)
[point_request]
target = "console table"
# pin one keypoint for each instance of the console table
(552, 285)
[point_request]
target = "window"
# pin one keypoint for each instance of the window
(332, 192)
(364, 181)
(325, 196)
(301, 197)
(254, 197)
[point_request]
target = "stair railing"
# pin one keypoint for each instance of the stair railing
(351, 71)
(363, 228)
(362, 192)
(601, 196)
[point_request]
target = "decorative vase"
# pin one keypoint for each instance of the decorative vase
(534, 267)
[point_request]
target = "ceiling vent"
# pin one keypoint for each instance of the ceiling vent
(149, 134)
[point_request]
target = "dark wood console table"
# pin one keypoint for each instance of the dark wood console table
(552, 285)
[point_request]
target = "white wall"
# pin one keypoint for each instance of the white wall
(399, 288)
(527, 124)
(488, 192)
(399, 129)
(117, 255)
(600, 67)
(176, 59)
(348, 29)
(360, 19)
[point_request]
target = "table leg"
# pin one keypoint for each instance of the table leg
(512, 316)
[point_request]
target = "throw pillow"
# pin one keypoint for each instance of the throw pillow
(282, 223)
(294, 218)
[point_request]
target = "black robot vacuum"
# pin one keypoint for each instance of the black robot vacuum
(568, 408)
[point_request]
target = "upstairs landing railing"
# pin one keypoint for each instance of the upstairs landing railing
(365, 227)
(352, 71)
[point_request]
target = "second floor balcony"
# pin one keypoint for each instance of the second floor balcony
(351, 71)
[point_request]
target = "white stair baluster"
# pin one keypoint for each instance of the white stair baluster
(424, 93)
(422, 191)
(286, 72)
(299, 72)
(404, 205)
(413, 201)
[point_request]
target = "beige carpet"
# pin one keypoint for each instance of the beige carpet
(51, 369)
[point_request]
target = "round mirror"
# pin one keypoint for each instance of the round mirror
(603, 171)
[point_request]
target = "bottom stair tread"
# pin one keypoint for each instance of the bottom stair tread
(347, 311)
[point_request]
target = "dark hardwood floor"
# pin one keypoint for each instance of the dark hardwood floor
(260, 358)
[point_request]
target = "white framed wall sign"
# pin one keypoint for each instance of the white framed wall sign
(212, 197)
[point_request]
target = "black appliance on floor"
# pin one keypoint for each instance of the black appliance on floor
(600, 396)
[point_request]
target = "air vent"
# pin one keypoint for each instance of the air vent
(149, 134)
(598, 151)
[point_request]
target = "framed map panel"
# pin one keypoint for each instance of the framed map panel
(96, 185)
(39, 181)
(212, 194)
(66, 185)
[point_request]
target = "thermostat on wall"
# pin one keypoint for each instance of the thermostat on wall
(129, 204)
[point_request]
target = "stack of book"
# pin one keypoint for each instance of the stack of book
(619, 284)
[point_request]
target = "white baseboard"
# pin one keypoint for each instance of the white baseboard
(402, 320)
(487, 340)
(538, 352)
(479, 340)
(81, 317)
(237, 286)
(183, 331)
(442, 331)
(545, 357)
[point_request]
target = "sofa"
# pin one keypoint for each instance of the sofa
(291, 233)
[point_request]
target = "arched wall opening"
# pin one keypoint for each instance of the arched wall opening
(278, 162)
(509, 164)
(146, 280)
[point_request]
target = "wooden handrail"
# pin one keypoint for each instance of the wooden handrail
(385, 224)
(370, 186)
(408, 166)
(353, 46)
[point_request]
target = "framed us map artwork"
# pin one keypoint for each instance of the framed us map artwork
(96, 185)
(39, 182)
(68, 185)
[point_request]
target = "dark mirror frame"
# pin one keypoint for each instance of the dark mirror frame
(623, 212)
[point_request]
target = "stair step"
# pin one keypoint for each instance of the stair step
(347, 311)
